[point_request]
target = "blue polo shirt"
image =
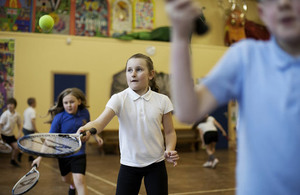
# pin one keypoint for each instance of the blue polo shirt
(266, 82)
(64, 122)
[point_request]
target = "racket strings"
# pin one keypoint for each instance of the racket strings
(50, 144)
(26, 183)
(5, 148)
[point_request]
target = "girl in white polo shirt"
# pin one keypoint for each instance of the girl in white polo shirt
(141, 112)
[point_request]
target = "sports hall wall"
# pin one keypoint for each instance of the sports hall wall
(39, 56)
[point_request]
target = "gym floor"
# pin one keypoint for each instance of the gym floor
(187, 178)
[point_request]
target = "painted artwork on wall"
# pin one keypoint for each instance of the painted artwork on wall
(121, 17)
(144, 14)
(92, 18)
(58, 9)
(7, 49)
(15, 15)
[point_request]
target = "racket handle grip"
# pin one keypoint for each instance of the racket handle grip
(93, 131)
(200, 27)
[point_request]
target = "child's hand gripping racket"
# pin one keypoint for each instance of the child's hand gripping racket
(52, 144)
(27, 182)
(4, 147)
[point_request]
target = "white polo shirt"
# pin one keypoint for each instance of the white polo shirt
(9, 120)
(140, 118)
(208, 125)
(29, 114)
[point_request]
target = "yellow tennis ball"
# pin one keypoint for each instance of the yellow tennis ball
(46, 23)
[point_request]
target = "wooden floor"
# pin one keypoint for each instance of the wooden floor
(188, 178)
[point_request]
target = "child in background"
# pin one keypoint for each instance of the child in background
(141, 111)
(264, 78)
(208, 128)
(69, 114)
(8, 120)
(29, 125)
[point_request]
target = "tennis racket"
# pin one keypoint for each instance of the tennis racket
(52, 144)
(27, 182)
(4, 147)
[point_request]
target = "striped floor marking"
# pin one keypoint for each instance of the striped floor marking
(205, 192)
(115, 185)
(101, 179)
(87, 173)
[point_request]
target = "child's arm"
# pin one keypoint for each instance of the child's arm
(37, 161)
(2, 122)
(34, 125)
(105, 117)
(1, 126)
(220, 127)
(19, 123)
(170, 139)
(200, 101)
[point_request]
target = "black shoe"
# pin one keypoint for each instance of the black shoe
(72, 191)
(30, 158)
(14, 163)
(20, 157)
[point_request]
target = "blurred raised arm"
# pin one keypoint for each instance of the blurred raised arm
(190, 103)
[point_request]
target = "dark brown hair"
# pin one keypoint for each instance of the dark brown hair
(30, 101)
(12, 101)
(59, 107)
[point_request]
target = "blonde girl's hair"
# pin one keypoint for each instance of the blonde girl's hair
(149, 62)
(59, 107)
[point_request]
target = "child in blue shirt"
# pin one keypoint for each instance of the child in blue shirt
(69, 114)
(264, 77)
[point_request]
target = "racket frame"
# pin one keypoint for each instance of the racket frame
(33, 170)
(9, 148)
(53, 155)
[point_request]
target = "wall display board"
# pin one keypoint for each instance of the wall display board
(15, 15)
(121, 16)
(7, 58)
(59, 10)
(144, 14)
(92, 18)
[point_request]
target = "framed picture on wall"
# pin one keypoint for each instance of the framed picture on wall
(121, 16)
(144, 14)
(59, 10)
(92, 18)
(15, 15)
